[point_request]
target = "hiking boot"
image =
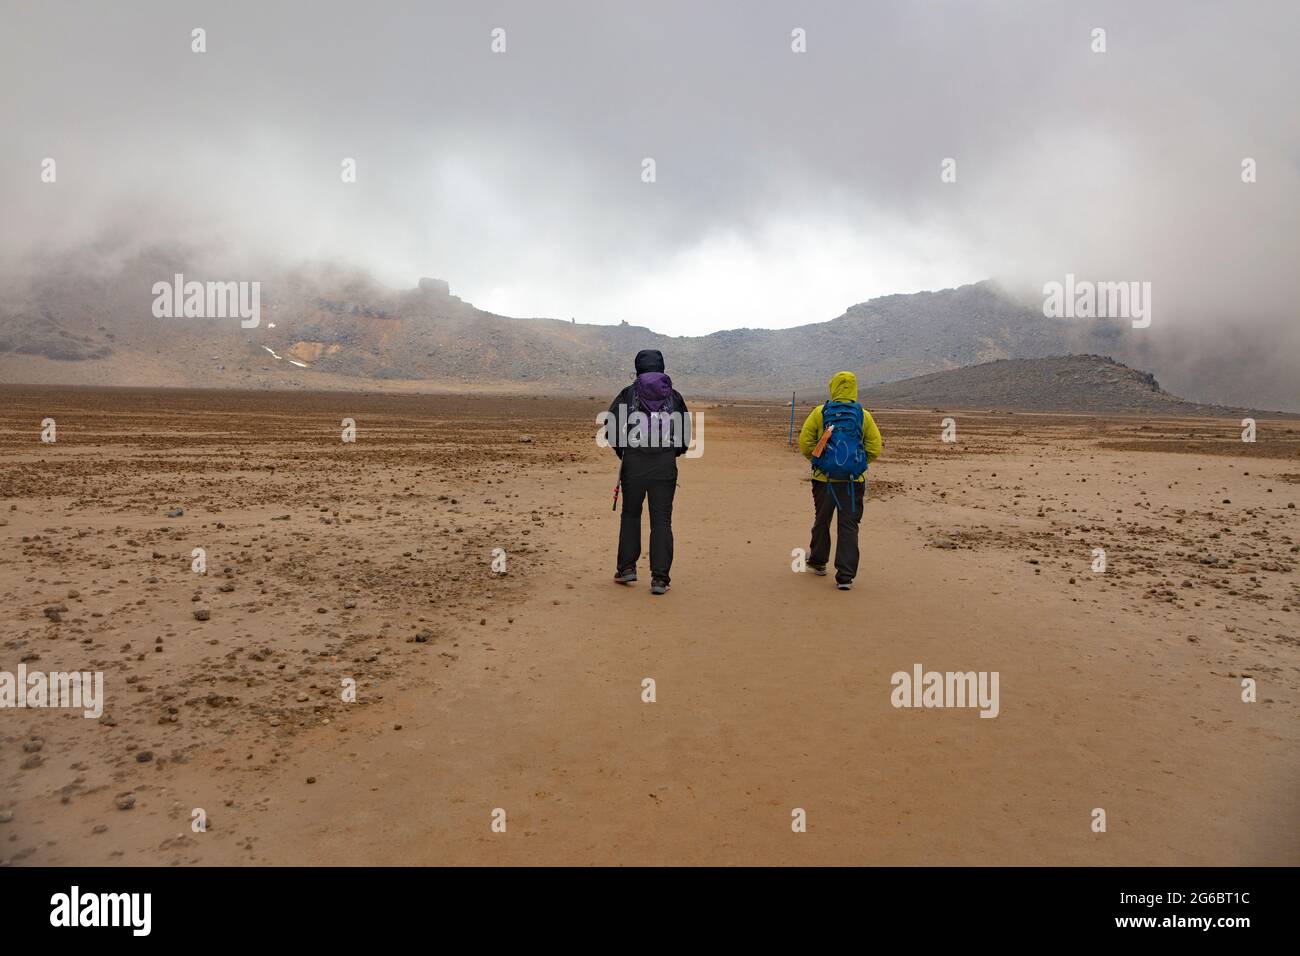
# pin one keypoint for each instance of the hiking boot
(844, 585)
(626, 576)
(658, 586)
(818, 569)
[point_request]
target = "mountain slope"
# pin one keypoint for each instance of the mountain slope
(79, 320)
(1066, 383)
(328, 323)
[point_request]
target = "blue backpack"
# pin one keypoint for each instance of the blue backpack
(843, 458)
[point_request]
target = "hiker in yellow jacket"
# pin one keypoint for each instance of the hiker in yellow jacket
(846, 497)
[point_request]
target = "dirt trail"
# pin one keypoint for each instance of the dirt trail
(773, 693)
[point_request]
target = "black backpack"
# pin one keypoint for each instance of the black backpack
(675, 425)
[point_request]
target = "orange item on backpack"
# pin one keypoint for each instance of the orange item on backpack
(821, 442)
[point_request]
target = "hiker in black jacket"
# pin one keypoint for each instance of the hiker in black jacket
(648, 428)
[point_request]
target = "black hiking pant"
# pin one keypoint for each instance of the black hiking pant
(849, 511)
(660, 491)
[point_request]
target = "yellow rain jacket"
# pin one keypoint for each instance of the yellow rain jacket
(844, 388)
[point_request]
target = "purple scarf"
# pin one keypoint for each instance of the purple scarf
(653, 390)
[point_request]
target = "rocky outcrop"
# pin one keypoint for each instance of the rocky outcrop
(1062, 383)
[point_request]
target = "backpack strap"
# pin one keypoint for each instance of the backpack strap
(853, 502)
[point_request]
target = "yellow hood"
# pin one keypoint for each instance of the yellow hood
(844, 387)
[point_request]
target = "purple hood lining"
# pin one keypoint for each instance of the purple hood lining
(653, 390)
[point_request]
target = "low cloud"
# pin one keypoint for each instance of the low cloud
(788, 185)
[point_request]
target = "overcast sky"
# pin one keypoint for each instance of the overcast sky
(789, 185)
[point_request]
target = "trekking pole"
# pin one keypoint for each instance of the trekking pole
(614, 507)
(792, 419)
